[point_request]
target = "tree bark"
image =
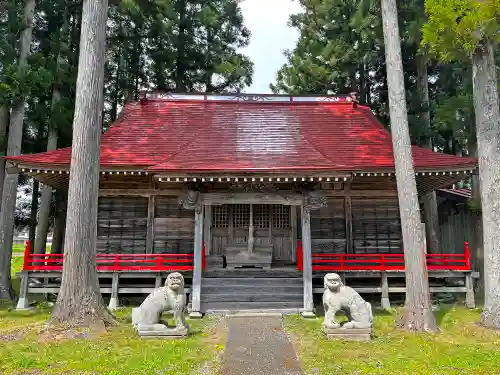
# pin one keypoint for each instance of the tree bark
(59, 222)
(417, 313)
(45, 202)
(9, 193)
(476, 241)
(488, 141)
(34, 210)
(4, 122)
(181, 49)
(429, 200)
(79, 303)
(40, 245)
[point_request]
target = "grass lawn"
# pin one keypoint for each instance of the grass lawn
(26, 348)
(461, 347)
(16, 265)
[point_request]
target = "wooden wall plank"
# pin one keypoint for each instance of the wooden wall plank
(122, 225)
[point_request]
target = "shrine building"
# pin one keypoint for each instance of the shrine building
(253, 198)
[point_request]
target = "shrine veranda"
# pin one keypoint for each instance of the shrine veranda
(253, 199)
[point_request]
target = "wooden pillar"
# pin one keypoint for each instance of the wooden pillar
(158, 280)
(113, 301)
(150, 225)
(385, 301)
(348, 224)
(23, 303)
(293, 223)
(197, 264)
(307, 263)
(207, 229)
(469, 293)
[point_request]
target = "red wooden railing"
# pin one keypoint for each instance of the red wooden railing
(383, 262)
(115, 262)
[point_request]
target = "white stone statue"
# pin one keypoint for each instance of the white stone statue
(147, 317)
(338, 297)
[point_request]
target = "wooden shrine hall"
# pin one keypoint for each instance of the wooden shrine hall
(253, 198)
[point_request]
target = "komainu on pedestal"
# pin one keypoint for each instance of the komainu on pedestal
(147, 317)
(339, 297)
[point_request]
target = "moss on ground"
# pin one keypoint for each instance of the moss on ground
(461, 347)
(26, 347)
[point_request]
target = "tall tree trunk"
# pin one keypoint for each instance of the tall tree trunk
(9, 193)
(46, 198)
(59, 222)
(34, 210)
(429, 200)
(417, 313)
(79, 303)
(45, 201)
(4, 122)
(180, 69)
(488, 142)
(362, 84)
(476, 241)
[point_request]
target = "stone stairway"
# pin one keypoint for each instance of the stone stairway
(252, 294)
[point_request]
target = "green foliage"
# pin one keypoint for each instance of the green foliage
(455, 28)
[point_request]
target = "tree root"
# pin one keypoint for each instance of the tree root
(417, 320)
(490, 317)
(95, 319)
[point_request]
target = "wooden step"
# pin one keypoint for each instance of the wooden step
(248, 289)
(249, 306)
(250, 281)
(256, 297)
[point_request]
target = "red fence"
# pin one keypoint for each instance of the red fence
(184, 262)
(115, 262)
(383, 262)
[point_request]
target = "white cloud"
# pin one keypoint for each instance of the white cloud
(267, 21)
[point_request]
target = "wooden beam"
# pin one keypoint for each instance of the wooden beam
(285, 198)
(361, 193)
(150, 235)
(139, 192)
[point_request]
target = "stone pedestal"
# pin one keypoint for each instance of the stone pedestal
(162, 332)
(351, 334)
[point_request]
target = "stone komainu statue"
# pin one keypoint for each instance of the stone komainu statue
(338, 297)
(171, 297)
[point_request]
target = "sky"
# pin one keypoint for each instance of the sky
(267, 21)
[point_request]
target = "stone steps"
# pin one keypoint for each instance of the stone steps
(226, 281)
(212, 307)
(233, 294)
(252, 297)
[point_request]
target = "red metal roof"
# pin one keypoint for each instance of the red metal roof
(465, 193)
(232, 136)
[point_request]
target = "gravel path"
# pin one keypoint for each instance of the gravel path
(258, 346)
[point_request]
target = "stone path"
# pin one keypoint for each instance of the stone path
(258, 346)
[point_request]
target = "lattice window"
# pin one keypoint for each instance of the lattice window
(241, 215)
(220, 216)
(281, 216)
(376, 226)
(261, 216)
